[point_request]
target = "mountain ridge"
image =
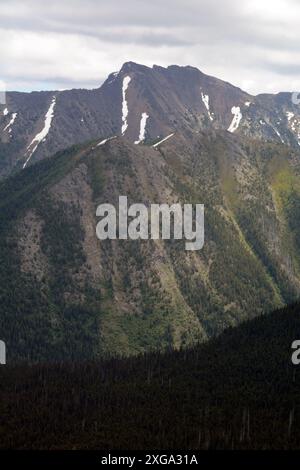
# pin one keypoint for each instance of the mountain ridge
(175, 98)
(75, 296)
(161, 135)
(239, 391)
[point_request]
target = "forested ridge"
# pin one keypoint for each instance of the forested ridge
(239, 391)
(66, 295)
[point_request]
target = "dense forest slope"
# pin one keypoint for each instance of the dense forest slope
(66, 295)
(237, 391)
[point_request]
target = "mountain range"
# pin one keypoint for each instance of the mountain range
(157, 135)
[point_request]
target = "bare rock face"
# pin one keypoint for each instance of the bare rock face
(142, 104)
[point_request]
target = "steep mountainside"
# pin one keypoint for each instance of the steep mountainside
(140, 103)
(239, 391)
(64, 294)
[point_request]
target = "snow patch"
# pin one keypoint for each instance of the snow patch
(294, 124)
(205, 99)
(277, 132)
(163, 140)
(142, 128)
(290, 115)
(5, 112)
(237, 116)
(126, 81)
(247, 103)
(41, 136)
(105, 140)
(11, 122)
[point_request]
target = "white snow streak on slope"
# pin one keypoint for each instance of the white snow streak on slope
(126, 81)
(5, 112)
(142, 128)
(277, 132)
(11, 122)
(237, 116)
(205, 99)
(247, 103)
(105, 140)
(163, 140)
(41, 136)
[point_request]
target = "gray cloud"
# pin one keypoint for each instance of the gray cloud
(253, 44)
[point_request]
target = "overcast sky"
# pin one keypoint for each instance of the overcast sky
(57, 44)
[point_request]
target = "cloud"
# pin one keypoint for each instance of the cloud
(77, 43)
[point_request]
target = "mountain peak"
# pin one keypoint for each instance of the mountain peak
(142, 104)
(130, 66)
(134, 66)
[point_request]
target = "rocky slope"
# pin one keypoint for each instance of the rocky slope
(140, 103)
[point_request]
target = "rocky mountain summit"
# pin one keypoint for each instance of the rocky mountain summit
(141, 104)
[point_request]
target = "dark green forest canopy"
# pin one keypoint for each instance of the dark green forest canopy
(237, 391)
